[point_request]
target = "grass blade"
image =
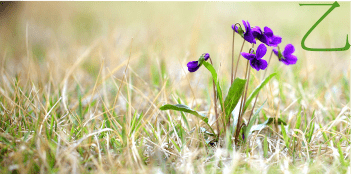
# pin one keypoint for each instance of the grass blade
(265, 147)
(257, 90)
(184, 108)
(285, 136)
(253, 119)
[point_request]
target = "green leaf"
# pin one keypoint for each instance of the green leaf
(136, 122)
(234, 94)
(183, 116)
(298, 122)
(257, 90)
(265, 147)
(285, 136)
(215, 79)
(175, 145)
(341, 157)
(310, 133)
(134, 119)
(311, 129)
(253, 119)
(184, 108)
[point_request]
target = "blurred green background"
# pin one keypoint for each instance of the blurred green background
(171, 32)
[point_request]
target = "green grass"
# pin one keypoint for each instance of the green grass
(86, 97)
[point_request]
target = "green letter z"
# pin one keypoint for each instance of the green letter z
(347, 45)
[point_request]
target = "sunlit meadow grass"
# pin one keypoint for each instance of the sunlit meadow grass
(81, 85)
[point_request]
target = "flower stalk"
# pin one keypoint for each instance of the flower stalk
(243, 98)
(232, 76)
(237, 62)
(264, 75)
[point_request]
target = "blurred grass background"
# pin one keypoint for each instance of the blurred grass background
(169, 34)
(174, 31)
(60, 47)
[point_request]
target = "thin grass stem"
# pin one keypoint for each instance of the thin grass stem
(215, 101)
(243, 98)
(238, 125)
(264, 75)
(231, 77)
(237, 62)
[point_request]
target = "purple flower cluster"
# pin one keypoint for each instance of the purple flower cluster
(267, 37)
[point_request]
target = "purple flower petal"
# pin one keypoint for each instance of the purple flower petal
(263, 64)
(289, 60)
(235, 28)
(248, 34)
(275, 40)
(268, 32)
(249, 37)
(289, 49)
(261, 51)
(248, 26)
(248, 56)
(207, 56)
(245, 25)
(258, 64)
(193, 66)
(264, 39)
(256, 32)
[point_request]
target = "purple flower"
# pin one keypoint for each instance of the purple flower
(267, 37)
(195, 65)
(248, 34)
(206, 56)
(257, 33)
(235, 28)
(256, 60)
(286, 57)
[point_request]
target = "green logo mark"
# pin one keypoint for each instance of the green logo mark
(347, 45)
